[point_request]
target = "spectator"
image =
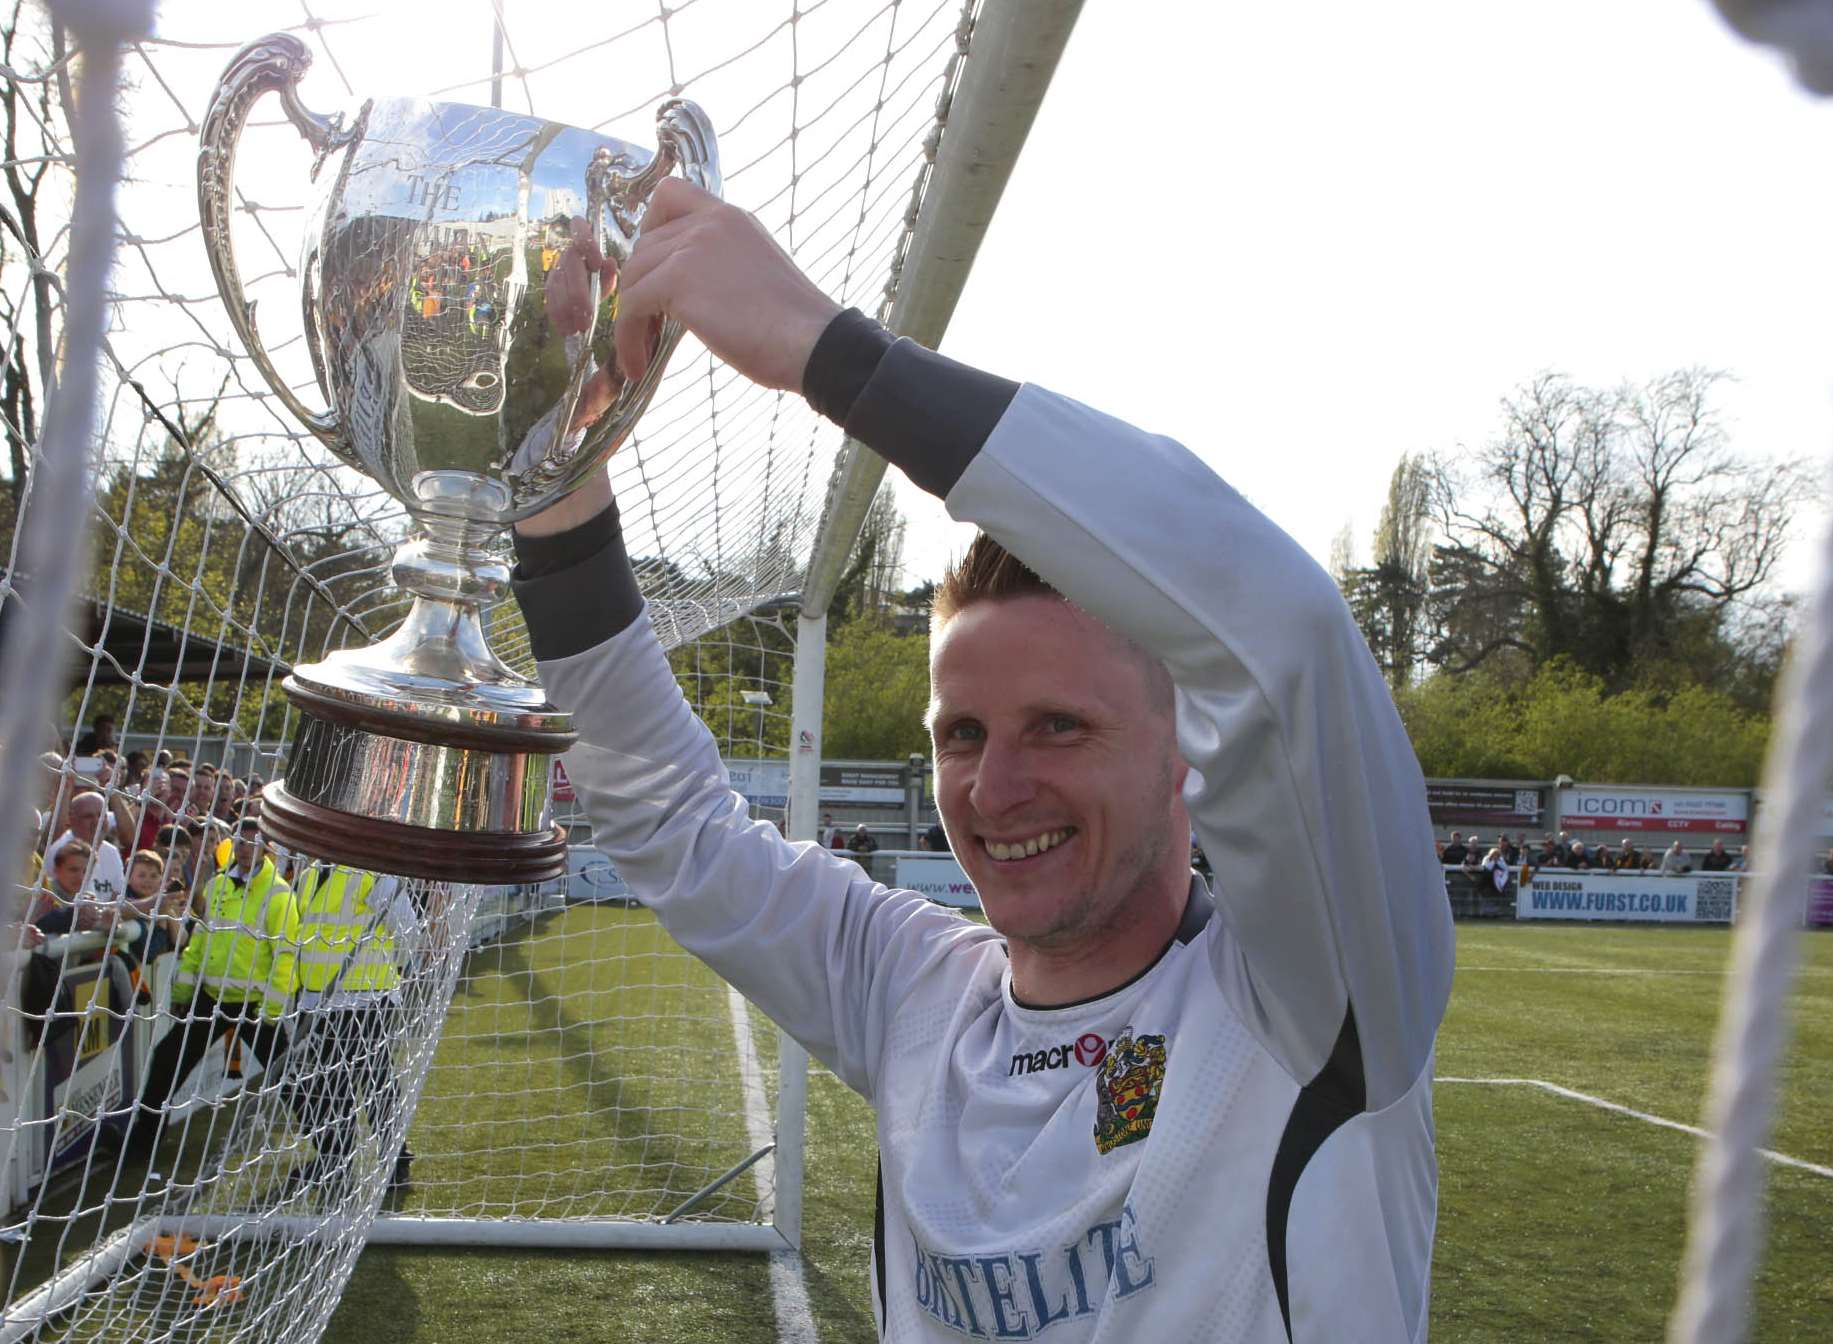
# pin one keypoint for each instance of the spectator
(862, 841)
(830, 833)
(1472, 863)
(1741, 864)
(134, 775)
(164, 806)
(1564, 845)
(1496, 864)
(101, 735)
(1454, 852)
(239, 973)
(1717, 860)
(174, 845)
(63, 904)
(1627, 859)
(159, 901)
(937, 837)
(1677, 862)
(51, 786)
(1509, 850)
(1580, 858)
(85, 821)
(1549, 856)
(163, 760)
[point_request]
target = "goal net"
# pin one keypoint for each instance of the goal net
(593, 1084)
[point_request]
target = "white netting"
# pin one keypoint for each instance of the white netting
(590, 1068)
(592, 1071)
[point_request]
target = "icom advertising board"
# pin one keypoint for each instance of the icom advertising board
(1703, 899)
(1606, 807)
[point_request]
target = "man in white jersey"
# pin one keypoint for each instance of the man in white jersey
(1127, 1111)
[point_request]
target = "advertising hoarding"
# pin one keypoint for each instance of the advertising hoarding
(1609, 807)
(940, 878)
(1484, 804)
(766, 784)
(1704, 899)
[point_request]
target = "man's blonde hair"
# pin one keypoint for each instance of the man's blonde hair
(991, 573)
(988, 572)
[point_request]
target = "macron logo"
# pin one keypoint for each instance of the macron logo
(1087, 1050)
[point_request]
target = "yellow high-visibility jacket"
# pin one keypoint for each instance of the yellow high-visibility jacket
(334, 928)
(246, 946)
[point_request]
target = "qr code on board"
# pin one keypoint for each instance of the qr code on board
(1712, 899)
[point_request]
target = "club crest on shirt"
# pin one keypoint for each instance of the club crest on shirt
(1126, 1089)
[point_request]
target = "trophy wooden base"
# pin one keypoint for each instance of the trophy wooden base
(484, 857)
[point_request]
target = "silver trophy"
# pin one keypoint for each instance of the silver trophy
(459, 286)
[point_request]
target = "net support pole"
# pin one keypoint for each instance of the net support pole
(808, 694)
(1012, 53)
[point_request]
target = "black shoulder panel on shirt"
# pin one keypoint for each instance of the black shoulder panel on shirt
(878, 1249)
(1337, 1095)
(576, 588)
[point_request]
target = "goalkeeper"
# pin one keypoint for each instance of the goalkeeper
(1128, 1110)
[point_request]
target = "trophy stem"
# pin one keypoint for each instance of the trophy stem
(426, 754)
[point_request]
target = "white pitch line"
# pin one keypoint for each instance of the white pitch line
(1588, 970)
(1803, 974)
(1782, 1159)
(795, 1323)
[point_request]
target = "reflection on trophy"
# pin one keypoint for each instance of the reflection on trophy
(460, 295)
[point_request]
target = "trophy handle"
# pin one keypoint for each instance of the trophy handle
(271, 64)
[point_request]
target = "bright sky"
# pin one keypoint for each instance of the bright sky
(1305, 239)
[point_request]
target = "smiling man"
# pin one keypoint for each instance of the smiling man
(1128, 1110)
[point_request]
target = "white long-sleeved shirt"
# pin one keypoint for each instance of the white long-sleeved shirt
(1238, 1144)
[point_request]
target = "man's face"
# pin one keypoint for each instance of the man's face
(176, 787)
(247, 851)
(86, 818)
(1047, 738)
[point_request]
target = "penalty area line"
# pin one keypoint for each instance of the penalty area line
(795, 1323)
(1781, 1159)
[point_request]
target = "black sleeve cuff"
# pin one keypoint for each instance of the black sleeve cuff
(841, 364)
(922, 411)
(576, 588)
(928, 414)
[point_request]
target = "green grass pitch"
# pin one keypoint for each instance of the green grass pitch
(1557, 1220)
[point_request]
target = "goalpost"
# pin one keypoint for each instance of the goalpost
(580, 1080)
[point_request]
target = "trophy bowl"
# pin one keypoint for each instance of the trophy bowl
(459, 293)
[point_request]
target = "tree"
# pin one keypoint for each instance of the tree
(869, 582)
(1562, 720)
(877, 693)
(1615, 529)
(1388, 597)
(31, 121)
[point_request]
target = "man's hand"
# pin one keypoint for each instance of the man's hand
(713, 268)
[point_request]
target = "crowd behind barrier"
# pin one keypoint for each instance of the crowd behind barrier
(115, 889)
(127, 844)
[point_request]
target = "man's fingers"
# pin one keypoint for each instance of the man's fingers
(641, 304)
(673, 198)
(653, 247)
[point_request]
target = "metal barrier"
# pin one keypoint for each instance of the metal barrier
(74, 1053)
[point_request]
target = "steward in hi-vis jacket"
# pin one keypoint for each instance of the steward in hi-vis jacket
(354, 930)
(1132, 1109)
(236, 973)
